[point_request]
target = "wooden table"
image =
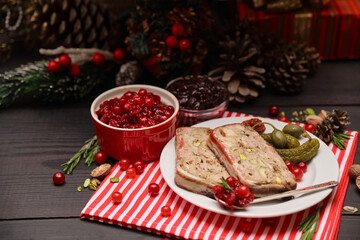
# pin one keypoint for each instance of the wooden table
(36, 138)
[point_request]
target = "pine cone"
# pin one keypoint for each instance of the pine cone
(238, 69)
(324, 132)
(79, 23)
(128, 74)
(337, 119)
(287, 64)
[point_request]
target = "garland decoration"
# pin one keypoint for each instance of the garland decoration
(169, 37)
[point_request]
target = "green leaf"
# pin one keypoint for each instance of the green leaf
(310, 224)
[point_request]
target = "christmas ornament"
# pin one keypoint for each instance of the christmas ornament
(238, 68)
(119, 55)
(177, 29)
(155, 28)
(79, 23)
(184, 44)
(98, 59)
(53, 66)
(171, 41)
(65, 60)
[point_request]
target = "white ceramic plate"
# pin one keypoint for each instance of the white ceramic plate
(322, 168)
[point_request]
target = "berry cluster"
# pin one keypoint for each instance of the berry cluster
(233, 193)
(134, 110)
(131, 169)
(172, 40)
(298, 171)
(74, 69)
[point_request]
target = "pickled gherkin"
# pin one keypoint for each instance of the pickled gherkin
(303, 153)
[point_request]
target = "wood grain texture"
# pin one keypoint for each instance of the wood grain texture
(36, 138)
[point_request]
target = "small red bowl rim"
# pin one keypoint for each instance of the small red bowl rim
(132, 87)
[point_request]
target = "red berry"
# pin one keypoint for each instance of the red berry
(310, 127)
(53, 66)
(177, 29)
(65, 60)
(117, 110)
(283, 119)
(119, 54)
(247, 224)
(171, 41)
(184, 44)
(124, 164)
(59, 178)
(130, 172)
(302, 166)
(139, 166)
(232, 181)
(142, 92)
(100, 157)
(166, 211)
(218, 189)
(74, 70)
(270, 221)
(116, 197)
(243, 191)
(274, 110)
(98, 59)
(289, 165)
(230, 197)
(298, 173)
(149, 102)
(153, 189)
(242, 202)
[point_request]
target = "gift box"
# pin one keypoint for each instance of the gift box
(334, 30)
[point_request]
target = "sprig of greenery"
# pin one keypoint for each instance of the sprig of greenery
(340, 139)
(310, 224)
(225, 184)
(87, 151)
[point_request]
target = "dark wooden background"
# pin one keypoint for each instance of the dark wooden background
(35, 138)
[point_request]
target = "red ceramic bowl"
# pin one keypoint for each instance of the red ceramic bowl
(135, 144)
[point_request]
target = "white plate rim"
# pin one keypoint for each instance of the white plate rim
(269, 209)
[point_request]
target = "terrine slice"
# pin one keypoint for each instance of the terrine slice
(254, 161)
(197, 167)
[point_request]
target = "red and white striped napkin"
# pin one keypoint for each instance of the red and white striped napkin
(140, 211)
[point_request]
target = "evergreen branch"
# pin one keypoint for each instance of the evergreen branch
(87, 151)
(340, 139)
(225, 184)
(310, 224)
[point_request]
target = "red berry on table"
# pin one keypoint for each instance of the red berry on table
(298, 173)
(98, 59)
(139, 166)
(274, 110)
(232, 181)
(124, 164)
(166, 211)
(177, 29)
(153, 189)
(302, 166)
(171, 41)
(184, 44)
(116, 197)
(119, 54)
(310, 127)
(59, 178)
(289, 165)
(130, 172)
(243, 191)
(74, 70)
(100, 157)
(65, 60)
(283, 119)
(53, 66)
(247, 224)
